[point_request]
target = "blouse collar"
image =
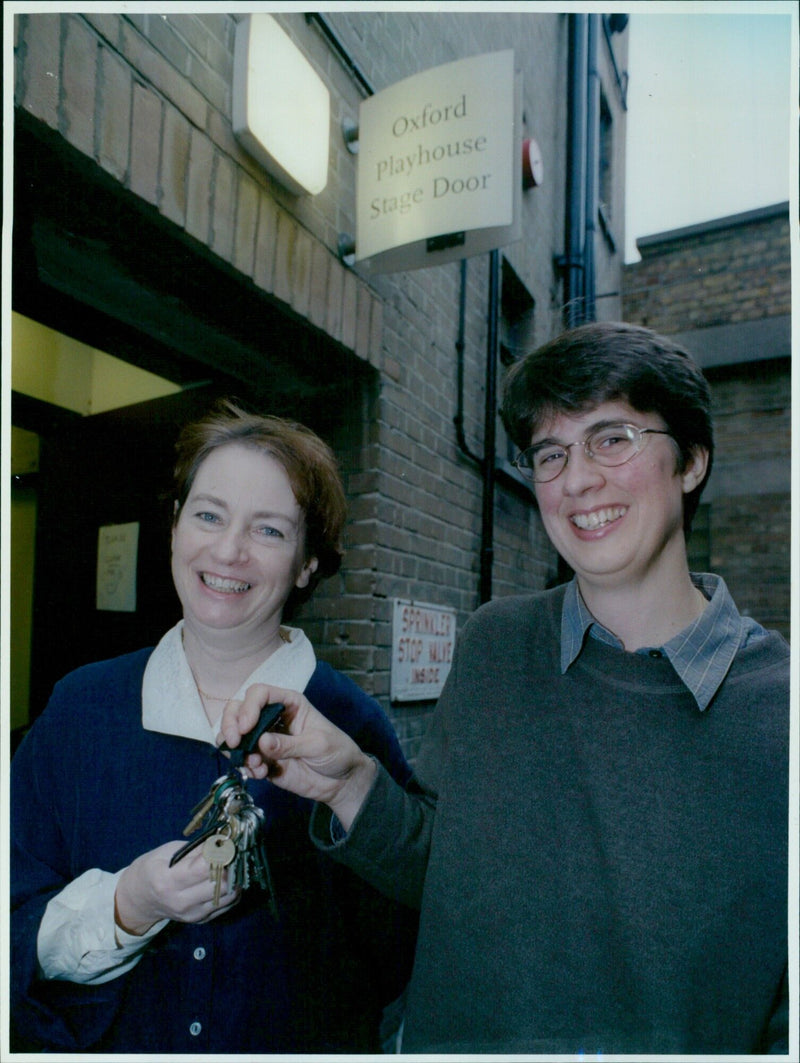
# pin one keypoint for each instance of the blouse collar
(171, 703)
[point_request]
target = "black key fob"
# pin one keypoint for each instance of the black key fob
(269, 718)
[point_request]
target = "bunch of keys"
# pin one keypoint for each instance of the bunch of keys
(230, 823)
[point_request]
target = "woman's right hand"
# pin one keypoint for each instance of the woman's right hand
(149, 890)
(315, 759)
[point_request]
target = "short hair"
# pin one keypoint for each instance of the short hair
(309, 464)
(613, 361)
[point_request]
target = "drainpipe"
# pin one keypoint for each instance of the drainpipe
(490, 430)
(487, 462)
(592, 166)
(458, 420)
(575, 220)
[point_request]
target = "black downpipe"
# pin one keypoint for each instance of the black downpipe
(576, 173)
(458, 420)
(490, 430)
(592, 168)
(344, 55)
(490, 413)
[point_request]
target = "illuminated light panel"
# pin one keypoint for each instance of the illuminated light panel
(281, 108)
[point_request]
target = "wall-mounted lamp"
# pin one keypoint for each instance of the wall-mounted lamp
(281, 107)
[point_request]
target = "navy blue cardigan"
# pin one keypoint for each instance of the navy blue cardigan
(91, 788)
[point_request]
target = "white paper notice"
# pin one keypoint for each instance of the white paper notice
(117, 549)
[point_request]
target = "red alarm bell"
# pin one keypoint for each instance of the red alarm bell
(532, 165)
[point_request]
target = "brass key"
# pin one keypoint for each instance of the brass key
(212, 798)
(219, 851)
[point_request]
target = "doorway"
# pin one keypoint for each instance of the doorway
(93, 263)
(101, 474)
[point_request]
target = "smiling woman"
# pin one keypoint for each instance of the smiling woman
(306, 460)
(238, 553)
(106, 923)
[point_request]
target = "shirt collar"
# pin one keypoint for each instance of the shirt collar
(701, 654)
(171, 703)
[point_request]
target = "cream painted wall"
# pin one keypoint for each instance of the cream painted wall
(58, 369)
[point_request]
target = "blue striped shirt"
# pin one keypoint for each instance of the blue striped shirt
(701, 654)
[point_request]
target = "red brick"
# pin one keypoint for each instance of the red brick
(349, 309)
(164, 78)
(79, 75)
(266, 239)
(246, 224)
(284, 253)
(376, 333)
(320, 268)
(114, 114)
(364, 305)
(301, 272)
(218, 127)
(174, 165)
(223, 218)
(198, 185)
(333, 315)
(107, 26)
(145, 143)
(391, 367)
(42, 73)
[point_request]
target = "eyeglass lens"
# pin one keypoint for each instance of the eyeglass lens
(609, 445)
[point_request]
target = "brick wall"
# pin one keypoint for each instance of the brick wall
(732, 276)
(751, 510)
(712, 275)
(749, 538)
(147, 98)
(115, 88)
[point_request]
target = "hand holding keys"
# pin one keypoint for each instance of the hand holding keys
(232, 822)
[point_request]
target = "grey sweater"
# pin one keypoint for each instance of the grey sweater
(600, 866)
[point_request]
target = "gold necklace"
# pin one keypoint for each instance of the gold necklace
(284, 636)
(210, 697)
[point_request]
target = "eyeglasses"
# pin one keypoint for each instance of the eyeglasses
(608, 445)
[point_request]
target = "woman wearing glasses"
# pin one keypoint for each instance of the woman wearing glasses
(599, 845)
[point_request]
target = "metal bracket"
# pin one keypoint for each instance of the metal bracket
(346, 249)
(350, 134)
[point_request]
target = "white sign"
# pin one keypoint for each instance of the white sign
(440, 165)
(423, 640)
(117, 550)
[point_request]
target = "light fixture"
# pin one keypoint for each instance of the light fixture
(281, 107)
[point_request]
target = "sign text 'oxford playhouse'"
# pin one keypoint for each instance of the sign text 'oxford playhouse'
(437, 164)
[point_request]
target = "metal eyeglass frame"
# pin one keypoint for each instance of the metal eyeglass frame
(633, 431)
